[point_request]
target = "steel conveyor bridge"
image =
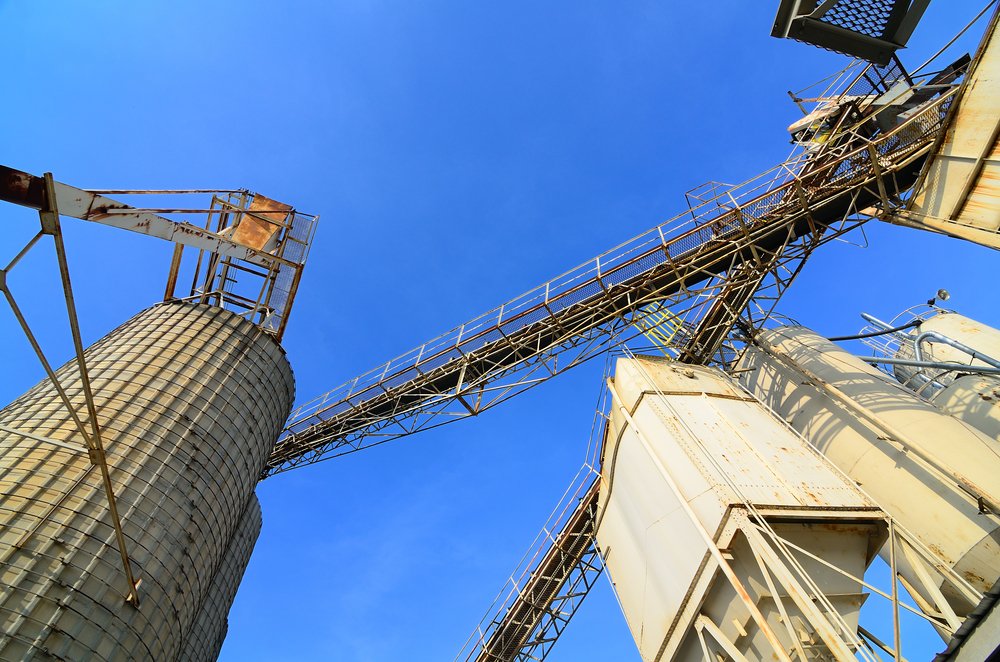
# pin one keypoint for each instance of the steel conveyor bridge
(738, 246)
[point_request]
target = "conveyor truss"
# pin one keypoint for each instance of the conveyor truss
(726, 259)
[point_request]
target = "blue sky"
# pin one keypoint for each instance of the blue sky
(459, 153)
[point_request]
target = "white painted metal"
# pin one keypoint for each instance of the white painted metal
(930, 471)
(190, 399)
(974, 399)
(692, 467)
(967, 331)
(961, 190)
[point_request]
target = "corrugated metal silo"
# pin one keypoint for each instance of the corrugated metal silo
(204, 642)
(190, 399)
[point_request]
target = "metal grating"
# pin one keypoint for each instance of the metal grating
(869, 17)
(868, 29)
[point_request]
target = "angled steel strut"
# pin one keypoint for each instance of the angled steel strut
(705, 265)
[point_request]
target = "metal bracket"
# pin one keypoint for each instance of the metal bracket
(49, 219)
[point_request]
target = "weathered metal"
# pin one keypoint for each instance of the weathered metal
(203, 641)
(718, 252)
(546, 602)
(49, 215)
(935, 475)
(959, 194)
(974, 399)
(244, 234)
(28, 190)
(190, 400)
(698, 478)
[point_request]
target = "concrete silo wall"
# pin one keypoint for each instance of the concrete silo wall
(190, 399)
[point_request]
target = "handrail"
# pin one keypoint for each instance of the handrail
(763, 203)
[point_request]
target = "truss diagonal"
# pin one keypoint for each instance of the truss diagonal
(704, 265)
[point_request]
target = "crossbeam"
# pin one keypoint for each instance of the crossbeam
(557, 584)
(704, 265)
(28, 190)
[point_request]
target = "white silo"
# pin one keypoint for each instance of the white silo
(937, 475)
(942, 340)
(701, 489)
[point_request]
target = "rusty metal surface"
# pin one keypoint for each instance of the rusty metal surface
(28, 190)
(251, 250)
(546, 602)
(265, 218)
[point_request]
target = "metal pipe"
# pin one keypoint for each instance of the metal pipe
(940, 337)
(957, 367)
(876, 322)
(880, 332)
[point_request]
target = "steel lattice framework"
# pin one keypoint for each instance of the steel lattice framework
(707, 264)
(725, 263)
(543, 606)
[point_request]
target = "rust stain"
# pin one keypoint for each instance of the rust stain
(184, 228)
(859, 529)
(21, 188)
(973, 578)
(254, 231)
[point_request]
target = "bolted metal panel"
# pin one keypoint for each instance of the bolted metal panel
(732, 463)
(932, 473)
(959, 193)
(205, 639)
(190, 400)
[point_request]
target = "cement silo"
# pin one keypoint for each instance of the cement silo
(941, 340)
(936, 475)
(204, 641)
(190, 400)
(703, 491)
(974, 399)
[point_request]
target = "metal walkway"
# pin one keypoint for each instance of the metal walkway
(705, 265)
(543, 606)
